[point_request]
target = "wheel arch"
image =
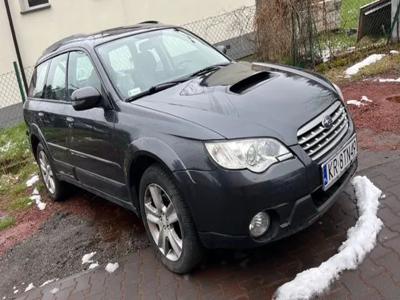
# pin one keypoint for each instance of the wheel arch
(142, 154)
(36, 137)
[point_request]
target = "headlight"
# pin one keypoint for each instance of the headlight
(256, 155)
(339, 91)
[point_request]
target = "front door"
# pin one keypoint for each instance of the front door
(91, 134)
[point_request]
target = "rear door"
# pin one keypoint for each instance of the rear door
(53, 114)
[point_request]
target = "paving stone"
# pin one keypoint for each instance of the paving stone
(355, 285)
(393, 244)
(388, 234)
(369, 269)
(385, 286)
(379, 251)
(388, 217)
(391, 262)
(256, 274)
(392, 202)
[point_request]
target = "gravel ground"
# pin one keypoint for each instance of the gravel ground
(82, 225)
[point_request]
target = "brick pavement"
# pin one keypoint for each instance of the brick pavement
(258, 273)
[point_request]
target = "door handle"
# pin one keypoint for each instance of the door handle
(70, 120)
(40, 114)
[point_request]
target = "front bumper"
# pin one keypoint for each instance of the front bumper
(223, 202)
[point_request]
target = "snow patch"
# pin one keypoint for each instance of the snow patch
(93, 265)
(54, 291)
(29, 287)
(15, 292)
(394, 52)
(326, 55)
(361, 102)
(87, 258)
(365, 99)
(31, 181)
(38, 199)
(48, 281)
(6, 147)
(390, 80)
(355, 103)
(111, 267)
(353, 70)
(361, 239)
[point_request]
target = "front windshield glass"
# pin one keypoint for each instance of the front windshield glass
(139, 62)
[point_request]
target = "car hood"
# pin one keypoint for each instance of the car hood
(248, 100)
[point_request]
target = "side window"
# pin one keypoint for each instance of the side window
(38, 80)
(81, 73)
(56, 80)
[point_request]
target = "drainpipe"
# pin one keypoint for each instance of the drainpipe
(18, 53)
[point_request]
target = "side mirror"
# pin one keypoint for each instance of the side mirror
(85, 98)
(223, 48)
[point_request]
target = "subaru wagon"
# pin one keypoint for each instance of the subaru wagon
(208, 151)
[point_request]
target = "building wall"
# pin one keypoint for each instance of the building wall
(7, 54)
(37, 30)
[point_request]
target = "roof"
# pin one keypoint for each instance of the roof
(102, 36)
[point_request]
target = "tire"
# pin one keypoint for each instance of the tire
(176, 227)
(54, 187)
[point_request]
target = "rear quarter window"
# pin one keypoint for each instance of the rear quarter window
(38, 80)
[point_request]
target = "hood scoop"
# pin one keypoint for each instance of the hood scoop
(247, 83)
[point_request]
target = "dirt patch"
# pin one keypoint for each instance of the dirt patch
(80, 225)
(394, 98)
(378, 123)
(27, 223)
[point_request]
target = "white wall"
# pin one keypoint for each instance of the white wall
(7, 55)
(37, 30)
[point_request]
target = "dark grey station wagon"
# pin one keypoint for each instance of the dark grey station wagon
(209, 152)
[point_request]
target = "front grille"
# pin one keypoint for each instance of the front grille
(317, 140)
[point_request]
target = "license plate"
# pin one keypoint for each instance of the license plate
(335, 167)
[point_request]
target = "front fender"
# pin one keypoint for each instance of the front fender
(155, 148)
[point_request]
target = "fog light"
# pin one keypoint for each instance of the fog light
(259, 224)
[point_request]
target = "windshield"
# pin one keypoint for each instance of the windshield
(139, 62)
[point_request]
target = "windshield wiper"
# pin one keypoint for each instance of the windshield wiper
(207, 70)
(155, 89)
(165, 85)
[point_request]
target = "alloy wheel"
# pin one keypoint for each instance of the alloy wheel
(163, 222)
(47, 172)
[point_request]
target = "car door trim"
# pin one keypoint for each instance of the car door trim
(85, 155)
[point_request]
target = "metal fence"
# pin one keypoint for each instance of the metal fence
(11, 98)
(234, 29)
(308, 32)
